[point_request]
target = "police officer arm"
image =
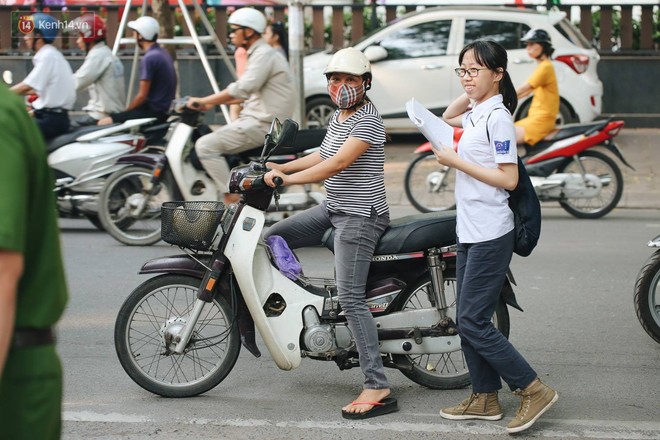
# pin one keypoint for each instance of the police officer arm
(11, 269)
(142, 95)
(348, 153)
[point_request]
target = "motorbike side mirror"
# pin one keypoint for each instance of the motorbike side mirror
(280, 136)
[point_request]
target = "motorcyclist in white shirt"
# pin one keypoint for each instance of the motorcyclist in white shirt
(102, 73)
(51, 79)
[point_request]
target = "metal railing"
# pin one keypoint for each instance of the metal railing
(624, 28)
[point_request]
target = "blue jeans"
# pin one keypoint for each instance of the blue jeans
(355, 241)
(480, 273)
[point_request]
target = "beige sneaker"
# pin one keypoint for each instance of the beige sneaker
(535, 400)
(482, 406)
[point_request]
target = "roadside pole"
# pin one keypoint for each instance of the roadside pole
(296, 52)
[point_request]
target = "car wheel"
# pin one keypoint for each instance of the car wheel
(319, 111)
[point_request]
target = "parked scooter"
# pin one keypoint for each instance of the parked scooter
(647, 292)
(174, 345)
(82, 160)
(130, 203)
(563, 167)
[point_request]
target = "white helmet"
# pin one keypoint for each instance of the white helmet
(146, 26)
(349, 60)
(249, 18)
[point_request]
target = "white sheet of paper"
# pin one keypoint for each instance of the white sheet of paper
(437, 131)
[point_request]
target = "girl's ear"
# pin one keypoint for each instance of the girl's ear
(499, 74)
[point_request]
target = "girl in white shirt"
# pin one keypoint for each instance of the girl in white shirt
(486, 167)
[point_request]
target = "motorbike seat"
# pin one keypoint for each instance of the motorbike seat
(305, 140)
(566, 131)
(412, 233)
(70, 137)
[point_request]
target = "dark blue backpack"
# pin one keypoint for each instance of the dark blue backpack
(526, 208)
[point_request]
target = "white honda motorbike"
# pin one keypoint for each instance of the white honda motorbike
(129, 207)
(83, 159)
(179, 333)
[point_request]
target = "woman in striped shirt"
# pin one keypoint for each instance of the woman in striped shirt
(351, 162)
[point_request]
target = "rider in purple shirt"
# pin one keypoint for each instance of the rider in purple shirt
(157, 77)
(158, 68)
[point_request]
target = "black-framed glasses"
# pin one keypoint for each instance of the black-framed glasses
(470, 72)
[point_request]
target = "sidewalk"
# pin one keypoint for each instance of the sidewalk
(639, 146)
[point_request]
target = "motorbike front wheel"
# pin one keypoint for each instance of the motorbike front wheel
(128, 212)
(611, 179)
(442, 371)
(430, 186)
(647, 296)
(153, 315)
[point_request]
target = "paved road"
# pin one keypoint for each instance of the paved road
(578, 329)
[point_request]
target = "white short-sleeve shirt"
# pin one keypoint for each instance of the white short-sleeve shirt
(52, 79)
(483, 212)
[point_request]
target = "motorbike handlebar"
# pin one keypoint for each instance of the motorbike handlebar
(278, 181)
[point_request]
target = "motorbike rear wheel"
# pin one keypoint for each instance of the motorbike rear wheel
(159, 307)
(601, 165)
(430, 186)
(122, 193)
(442, 371)
(647, 296)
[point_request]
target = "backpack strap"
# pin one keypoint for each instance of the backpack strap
(488, 118)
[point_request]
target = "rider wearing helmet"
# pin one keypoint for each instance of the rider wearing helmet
(157, 76)
(351, 163)
(51, 79)
(542, 115)
(102, 73)
(266, 89)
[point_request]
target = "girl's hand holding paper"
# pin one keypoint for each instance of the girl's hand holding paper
(445, 155)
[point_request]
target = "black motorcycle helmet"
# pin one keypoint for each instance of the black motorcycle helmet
(540, 36)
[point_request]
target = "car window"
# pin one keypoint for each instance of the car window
(572, 34)
(422, 40)
(507, 33)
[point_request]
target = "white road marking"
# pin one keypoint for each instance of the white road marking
(590, 429)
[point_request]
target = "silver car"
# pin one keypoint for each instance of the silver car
(415, 56)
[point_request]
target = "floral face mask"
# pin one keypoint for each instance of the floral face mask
(345, 96)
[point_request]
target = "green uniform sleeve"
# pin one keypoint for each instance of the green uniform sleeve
(16, 127)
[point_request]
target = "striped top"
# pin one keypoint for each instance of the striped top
(361, 186)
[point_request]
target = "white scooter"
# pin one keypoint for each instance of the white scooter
(179, 333)
(83, 159)
(129, 205)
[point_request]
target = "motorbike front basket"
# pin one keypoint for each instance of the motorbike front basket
(191, 225)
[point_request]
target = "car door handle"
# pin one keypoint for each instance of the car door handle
(432, 66)
(519, 61)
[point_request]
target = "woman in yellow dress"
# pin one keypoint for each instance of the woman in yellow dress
(540, 120)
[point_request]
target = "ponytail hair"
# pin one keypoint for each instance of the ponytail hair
(491, 54)
(508, 92)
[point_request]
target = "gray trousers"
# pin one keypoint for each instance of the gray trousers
(355, 241)
(241, 135)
